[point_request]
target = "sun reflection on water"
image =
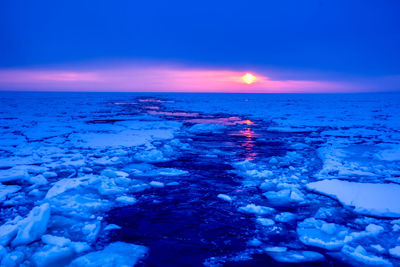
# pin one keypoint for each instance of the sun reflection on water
(249, 143)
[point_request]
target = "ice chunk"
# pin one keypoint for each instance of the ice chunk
(389, 154)
(49, 174)
(374, 229)
(285, 217)
(318, 233)
(55, 240)
(13, 259)
(360, 255)
(115, 254)
(33, 226)
(255, 209)
(366, 198)
(91, 230)
(395, 252)
(52, 255)
(171, 172)
(225, 197)
(254, 242)
(152, 155)
(126, 200)
(265, 221)
(8, 231)
(295, 256)
(112, 227)
(8, 189)
(156, 184)
(284, 196)
(63, 185)
(38, 180)
(13, 174)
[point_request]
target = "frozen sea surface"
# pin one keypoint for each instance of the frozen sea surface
(123, 179)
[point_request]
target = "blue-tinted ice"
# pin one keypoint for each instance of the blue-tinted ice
(199, 179)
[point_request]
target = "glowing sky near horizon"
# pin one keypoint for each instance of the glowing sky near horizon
(157, 79)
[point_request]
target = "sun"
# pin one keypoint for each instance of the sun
(249, 78)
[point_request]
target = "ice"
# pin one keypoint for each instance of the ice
(255, 209)
(265, 221)
(225, 197)
(13, 259)
(360, 255)
(112, 227)
(55, 240)
(295, 256)
(8, 189)
(115, 254)
(366, 198)
(284, 196)
(13, 174)
(53, 255)
(90, 160)
(389, 154)
(38, 180)
(395, 252)
(66, 184)
(206, 128)
(318, 233)
(285, 217)
(156, 184)
(33, 226)
(126, 200)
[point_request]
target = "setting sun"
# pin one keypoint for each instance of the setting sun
(249, 78)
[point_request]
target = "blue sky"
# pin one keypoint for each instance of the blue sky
(296, 40)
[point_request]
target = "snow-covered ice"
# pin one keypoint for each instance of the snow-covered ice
(366, 198)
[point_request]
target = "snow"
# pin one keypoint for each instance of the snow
(115, 254)
(366, 198)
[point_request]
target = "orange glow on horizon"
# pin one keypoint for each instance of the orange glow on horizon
(249, 78)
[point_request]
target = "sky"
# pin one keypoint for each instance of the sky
(200, 46)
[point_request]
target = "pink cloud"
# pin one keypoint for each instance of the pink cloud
(131, 78)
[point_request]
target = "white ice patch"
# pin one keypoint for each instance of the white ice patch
(115, 254)
(225, 197)
(367, 198)
(321, 234)
(255, 209)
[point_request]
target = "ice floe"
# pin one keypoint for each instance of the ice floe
(366, 198)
